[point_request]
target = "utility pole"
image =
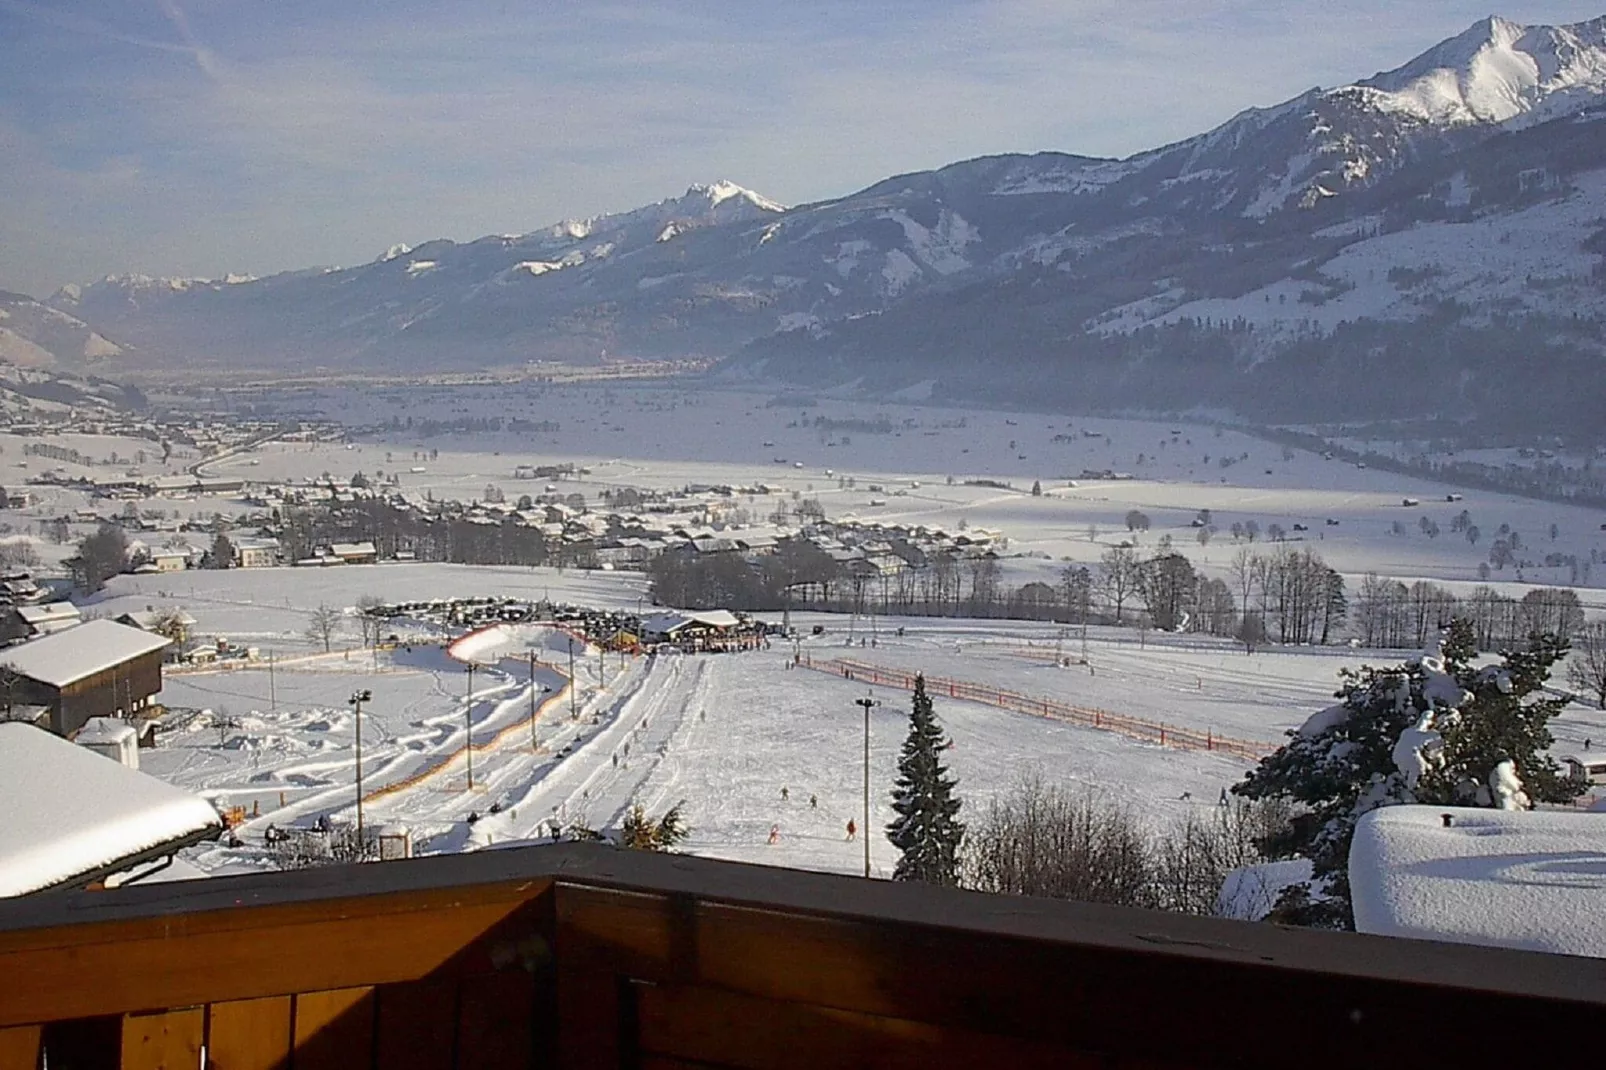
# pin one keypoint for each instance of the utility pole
(602, 664)
(868, 702)
(355, 702)
(468, 721)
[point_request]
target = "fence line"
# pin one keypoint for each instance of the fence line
(1165, 735)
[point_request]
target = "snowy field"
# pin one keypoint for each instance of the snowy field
(727, 733)
(661, 438)
(667, 438)
(723, 733)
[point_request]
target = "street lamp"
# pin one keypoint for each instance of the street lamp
(468, 722)
(869, 702)
(355, 702)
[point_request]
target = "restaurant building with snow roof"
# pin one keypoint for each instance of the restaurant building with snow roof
(98, 669)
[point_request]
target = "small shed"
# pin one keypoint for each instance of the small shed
(111, 737)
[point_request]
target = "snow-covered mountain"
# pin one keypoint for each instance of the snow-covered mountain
(1497, 72)
(1465, 189)
(34, 335)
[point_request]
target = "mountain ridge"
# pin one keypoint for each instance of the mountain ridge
(1371, 202)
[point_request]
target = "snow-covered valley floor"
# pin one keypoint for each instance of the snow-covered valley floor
(724, 734)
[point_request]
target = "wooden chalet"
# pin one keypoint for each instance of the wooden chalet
(581, 955)
(96, 669)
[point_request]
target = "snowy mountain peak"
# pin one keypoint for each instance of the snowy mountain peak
(1497, 71)
(723, 190)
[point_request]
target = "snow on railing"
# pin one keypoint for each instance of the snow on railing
(1165, 735)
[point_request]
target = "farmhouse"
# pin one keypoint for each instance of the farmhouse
(27, 622)
(355, 553)
(98, 669)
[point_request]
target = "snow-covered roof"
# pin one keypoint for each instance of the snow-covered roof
(150, 618)
(68, 656)
(67, 812)
(105, 730)
(1504, 878)
(49, 612)
(352, 549)
(669, 623)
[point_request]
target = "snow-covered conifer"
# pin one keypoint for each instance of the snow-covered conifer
(926, 831)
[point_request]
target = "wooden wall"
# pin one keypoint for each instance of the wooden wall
(105, 693)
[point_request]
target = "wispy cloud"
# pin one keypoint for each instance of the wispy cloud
(199, 136)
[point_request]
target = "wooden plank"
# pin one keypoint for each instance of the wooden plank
(263, 952)
(416, 1026)
(249, 1034)
(168, 1040)
(334, 1030)
(591, 1019)
(728, 1029)
(496, 1021)
(20, 1046)
(1167, 1003)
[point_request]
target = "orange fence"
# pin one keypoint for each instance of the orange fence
(522, 728)
(1166, 735)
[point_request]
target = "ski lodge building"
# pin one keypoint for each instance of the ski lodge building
(701, 630)
(97, 669)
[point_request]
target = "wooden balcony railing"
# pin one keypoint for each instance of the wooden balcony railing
(581, 956)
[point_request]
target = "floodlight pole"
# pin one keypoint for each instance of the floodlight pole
(868, 702)
(533, 691)
(356, 701)
(468, 721)
(574, 697)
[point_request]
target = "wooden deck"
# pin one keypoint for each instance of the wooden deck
(581, 956)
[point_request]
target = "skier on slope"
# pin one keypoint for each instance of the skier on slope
(852, 828)
(785, 793)
(775, 834)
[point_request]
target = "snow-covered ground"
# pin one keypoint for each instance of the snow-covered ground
(726, 733)
(723, 733)
(664, 438)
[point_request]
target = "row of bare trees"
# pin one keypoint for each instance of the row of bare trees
(1387, 613)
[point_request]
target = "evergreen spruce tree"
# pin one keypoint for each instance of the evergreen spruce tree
(927, 830)
(1433, 730)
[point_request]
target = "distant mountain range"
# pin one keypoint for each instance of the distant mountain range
(1419, 242)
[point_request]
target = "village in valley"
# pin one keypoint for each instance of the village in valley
(357, 640)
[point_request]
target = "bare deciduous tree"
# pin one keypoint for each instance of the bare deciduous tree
(1586, 665)
(322, 624)
(369, 622)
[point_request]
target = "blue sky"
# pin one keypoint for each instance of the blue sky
(197, 137)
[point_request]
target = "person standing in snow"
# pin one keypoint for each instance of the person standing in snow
(852, 828)
(814, 802)
(785, 793)
(775, 834)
